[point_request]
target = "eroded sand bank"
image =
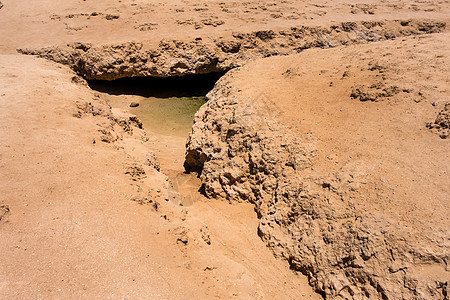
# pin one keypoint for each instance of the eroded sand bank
(342, 152)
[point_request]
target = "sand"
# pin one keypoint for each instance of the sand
(94, 205)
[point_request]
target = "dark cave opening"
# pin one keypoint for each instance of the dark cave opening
(158, 87)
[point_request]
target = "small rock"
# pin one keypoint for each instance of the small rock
(441, 125)
(183, 238)
(205, 235)
(79, 80)
(136, 172)
(4, 211)
(111, 17)
(134, 104)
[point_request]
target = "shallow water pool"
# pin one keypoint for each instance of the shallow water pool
(168, 116)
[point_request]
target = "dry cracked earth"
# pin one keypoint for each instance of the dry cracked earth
(317, 168)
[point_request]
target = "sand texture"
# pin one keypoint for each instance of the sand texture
(317, 168)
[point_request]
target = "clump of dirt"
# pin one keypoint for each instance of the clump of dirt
(363, 8)
(136, 172)
(147, 26)
(111, 17)
(92, 108)
(375, 92)
(4, 210)
(442, 123)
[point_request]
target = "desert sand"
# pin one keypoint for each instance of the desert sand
(317, 168)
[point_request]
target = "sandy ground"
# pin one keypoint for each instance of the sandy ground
(72, 230)
(69, 227)
(44, 22)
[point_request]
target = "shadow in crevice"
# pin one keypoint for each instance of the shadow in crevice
(186, 86)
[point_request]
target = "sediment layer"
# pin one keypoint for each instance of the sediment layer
(206, 55)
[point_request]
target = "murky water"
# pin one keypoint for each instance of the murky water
(169, 122)
(168, 116)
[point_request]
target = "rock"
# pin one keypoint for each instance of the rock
(204, 231)
(147, 26)
(182, 236)
(111, 17)
(109, 136)
(265, 34)
(136, 122)
(229, 46)
(153, 162)
(4, 209)
(375, 92)
(443, 118)
(79, 80)
(134, 104)
(212, 22)
(94, 108)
